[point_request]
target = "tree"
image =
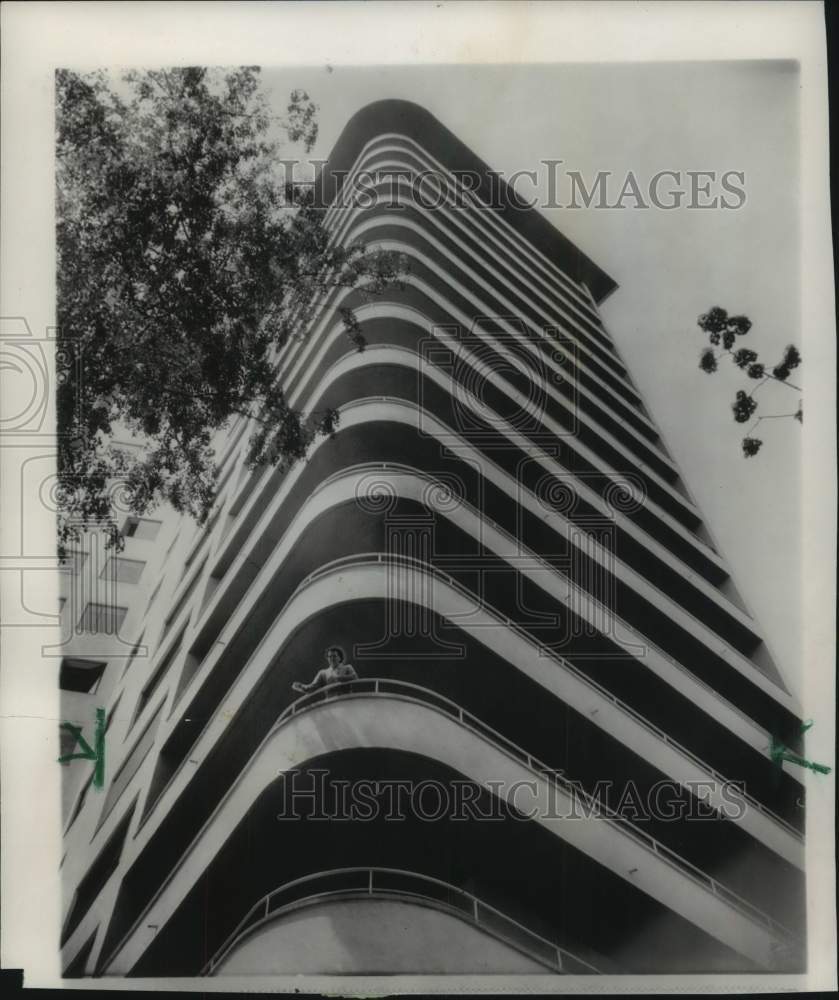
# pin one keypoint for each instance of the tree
(723, 331)
(185, 262)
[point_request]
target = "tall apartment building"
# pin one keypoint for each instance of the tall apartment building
(555, 758)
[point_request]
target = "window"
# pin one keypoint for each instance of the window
(123, 570)
(201, 539)
(97, 875)
(141, 528)
(185, 596)
(153, 596)
(131, 765)
(169, 548)
(228, 472)
(160, 672)
(190, 669)
(112, 712)
(134, 652)
(79, 801)
(76, 968)
(80, 675)
(102, 619)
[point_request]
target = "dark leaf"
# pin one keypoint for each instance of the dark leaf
(714, 320)
(743, 407)
(744, 357)
(792, 357)
(708, 361)
(740, 324)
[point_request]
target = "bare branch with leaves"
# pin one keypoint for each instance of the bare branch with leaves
(723, 332)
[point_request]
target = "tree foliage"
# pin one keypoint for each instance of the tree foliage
(722, 331)
(185, 262)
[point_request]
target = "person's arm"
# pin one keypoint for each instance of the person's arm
(317, 681)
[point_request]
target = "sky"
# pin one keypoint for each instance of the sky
(670, 265)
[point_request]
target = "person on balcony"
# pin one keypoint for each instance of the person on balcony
(338, 671)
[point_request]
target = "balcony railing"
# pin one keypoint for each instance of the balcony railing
(383, 687)
(372, 557)
(395, 883)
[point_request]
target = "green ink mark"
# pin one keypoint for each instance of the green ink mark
(779, 753)
(86, 752)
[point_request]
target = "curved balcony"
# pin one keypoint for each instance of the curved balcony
(539, 373)
(424, 724)
(397, 323)
(388, 688)
(693, 590)
(311, 596)
(748, 683)
(395, 153)
(471, 284)
(387, 118)
(341, 487)
(460, 242)
(708, 650)
(179, 804)
(458, 297)
(395, 883)
(393, 161)
(407, 483)
(660, 525)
